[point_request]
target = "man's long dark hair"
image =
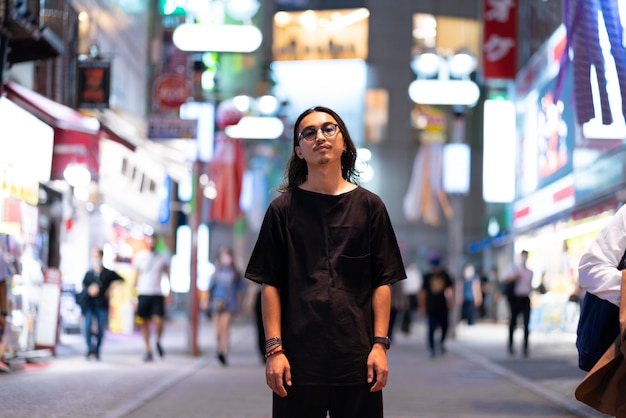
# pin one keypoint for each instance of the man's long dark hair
(297, 172)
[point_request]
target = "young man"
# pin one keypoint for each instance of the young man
(151, 265)
(326, 256)
(97, 281)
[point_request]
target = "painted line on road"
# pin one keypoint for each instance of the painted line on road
(160, 387)
(579, 410)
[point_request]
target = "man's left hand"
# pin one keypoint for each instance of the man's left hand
(377, 368)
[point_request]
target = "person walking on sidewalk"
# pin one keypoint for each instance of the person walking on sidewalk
(327, 256)
(519, 300)
(225, 297)
(472, 296)
(97, 282)
(436, 300)
(151, 266)
(5, 275)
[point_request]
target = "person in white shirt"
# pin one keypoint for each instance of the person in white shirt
(150, 266)
(519, 301)
(598, 271)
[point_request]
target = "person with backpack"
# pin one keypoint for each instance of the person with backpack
(601, 332)
(599, 267)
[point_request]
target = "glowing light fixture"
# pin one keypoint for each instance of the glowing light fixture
(256, 127)
(462, 64)
(267, 104)
(426, 65)
(218, 38)
(456, 168)
(347, 20)
(77, 175)
(444, 92)
(242, 9)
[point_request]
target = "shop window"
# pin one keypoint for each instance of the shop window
(320, 34)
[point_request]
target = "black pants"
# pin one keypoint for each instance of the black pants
(337, 401)
(437, 320)
(519, 305)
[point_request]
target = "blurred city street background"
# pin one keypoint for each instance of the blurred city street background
(476, 378)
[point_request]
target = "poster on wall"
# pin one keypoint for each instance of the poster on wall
(94, 84)
(546, 124)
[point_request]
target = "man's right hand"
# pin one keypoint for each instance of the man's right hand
(278, 373)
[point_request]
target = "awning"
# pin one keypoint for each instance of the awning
(40, 44)
(53, 113)
(123, 129)
(131, 131)
(76, 137)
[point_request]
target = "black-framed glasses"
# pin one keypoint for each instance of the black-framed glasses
(328, 129)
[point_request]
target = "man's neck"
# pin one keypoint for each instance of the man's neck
(326, 182)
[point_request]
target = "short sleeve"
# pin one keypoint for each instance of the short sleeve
(267, 264)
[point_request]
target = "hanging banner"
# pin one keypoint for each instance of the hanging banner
(500, 39)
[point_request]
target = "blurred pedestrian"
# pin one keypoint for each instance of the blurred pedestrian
(327, 256)
(398, 307)
(225, 298)
(436, 300)
(5, 274)
(519, 301)
(484, 309)
(97, 282)
(151, 267)
(410, 288)
(471, 293)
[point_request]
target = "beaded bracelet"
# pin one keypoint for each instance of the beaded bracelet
(273, 341)
(274, 352)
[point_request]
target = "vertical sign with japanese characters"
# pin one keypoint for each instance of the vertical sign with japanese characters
(500, 39)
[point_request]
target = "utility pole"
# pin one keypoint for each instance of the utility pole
(194, 222)
(4, 44)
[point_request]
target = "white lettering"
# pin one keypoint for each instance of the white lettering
(500, 10)
(497, 47)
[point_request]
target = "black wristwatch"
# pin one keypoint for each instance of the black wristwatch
(385, 341)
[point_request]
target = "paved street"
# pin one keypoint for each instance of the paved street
(476, 378)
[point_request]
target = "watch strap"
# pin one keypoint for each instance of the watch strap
(385, 341)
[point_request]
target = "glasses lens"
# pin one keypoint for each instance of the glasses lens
(328, 129)
(309, 134)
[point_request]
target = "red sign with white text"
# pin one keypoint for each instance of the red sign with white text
(500, 38)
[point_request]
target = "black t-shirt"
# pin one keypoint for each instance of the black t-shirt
(104, 280)
(435, 283)
(326, 254)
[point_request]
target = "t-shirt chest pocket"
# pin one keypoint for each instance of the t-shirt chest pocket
(348, 249)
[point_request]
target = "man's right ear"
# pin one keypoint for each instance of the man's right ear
(298, 152)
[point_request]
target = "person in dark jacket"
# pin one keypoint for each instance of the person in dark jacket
(97, 282)
(436, 301)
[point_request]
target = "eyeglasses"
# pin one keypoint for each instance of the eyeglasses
(329, 130)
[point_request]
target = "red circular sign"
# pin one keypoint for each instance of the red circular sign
(171, 91)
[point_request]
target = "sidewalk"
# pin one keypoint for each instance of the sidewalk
(475, 379)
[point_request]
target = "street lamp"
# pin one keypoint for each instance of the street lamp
(446, 81)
